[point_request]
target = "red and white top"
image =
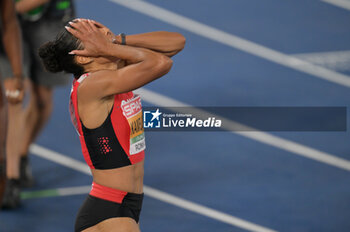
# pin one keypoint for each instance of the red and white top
(120, 140)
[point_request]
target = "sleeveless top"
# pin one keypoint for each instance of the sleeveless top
(120, 140)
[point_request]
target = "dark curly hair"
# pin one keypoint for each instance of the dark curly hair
(55, 57)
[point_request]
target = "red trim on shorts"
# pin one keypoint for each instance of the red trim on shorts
(107, 193)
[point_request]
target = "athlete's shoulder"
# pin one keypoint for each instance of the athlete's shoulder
(83, 77)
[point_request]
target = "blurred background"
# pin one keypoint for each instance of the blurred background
(238, 53)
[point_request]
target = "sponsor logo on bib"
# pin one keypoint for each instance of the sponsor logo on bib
(132, 110)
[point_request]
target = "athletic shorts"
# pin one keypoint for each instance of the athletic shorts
(103, 203)
(34, 35)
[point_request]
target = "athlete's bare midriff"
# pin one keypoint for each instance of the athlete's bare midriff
(128, 179)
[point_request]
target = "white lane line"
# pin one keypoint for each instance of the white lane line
(251, 133)
(151, 192)
(258, 50)
(338, 55)
(234, 41)
(223, 217)
(69, 191)
(336, 60)
(339, 3)
(59, 158)
(56, 192)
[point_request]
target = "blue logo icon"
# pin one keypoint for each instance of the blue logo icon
(151, 118)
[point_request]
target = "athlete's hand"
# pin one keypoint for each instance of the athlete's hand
(95, 42)
(14, 90)
(111, 36)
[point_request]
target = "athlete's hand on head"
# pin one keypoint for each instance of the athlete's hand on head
(14, 90)
(95, 42)
(111, 36)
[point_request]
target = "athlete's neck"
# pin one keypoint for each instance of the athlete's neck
(94, 67)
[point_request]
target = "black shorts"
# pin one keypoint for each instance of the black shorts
(95, 210)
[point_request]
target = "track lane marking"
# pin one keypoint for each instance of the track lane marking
(252, 48)
(234, 41)
(345, 4)
(55, 192)
(335, 60)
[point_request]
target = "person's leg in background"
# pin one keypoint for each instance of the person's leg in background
(41, 90)
(12, 47)
(14, 126)
(36, 116)
(3, 131)
(11, 196)
(14, 131)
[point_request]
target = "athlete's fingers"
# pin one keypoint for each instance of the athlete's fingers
(74, 32)
(79, 52)
(86, 26)
(93, 26)
(75, 20)
(88, 23)
(99, 25)
(77, 26)
(74, 24)
(81, 26)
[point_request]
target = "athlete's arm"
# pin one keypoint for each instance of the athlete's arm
(24, 6)
(167, 43)
(11, 37)
(145, 65)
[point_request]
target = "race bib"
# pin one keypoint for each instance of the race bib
(132, 110)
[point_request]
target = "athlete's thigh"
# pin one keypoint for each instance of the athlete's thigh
(115, 225)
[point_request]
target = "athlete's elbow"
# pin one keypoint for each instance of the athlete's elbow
(182, 41)
(179, 42)
(164, 64)
(158, 66)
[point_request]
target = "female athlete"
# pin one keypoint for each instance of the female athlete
(107, 115)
